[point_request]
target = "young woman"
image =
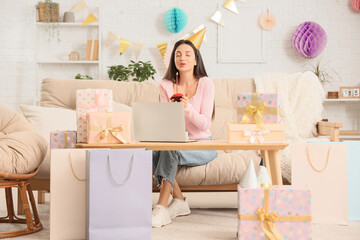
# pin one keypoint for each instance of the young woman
(187, 66)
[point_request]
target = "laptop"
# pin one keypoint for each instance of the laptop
(159, 122)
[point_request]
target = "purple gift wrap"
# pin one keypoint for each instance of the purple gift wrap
(63, 139)
(250, 105)
(281, 212)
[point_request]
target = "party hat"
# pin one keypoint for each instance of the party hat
(249, 179)
(263, 177)
(197, 38)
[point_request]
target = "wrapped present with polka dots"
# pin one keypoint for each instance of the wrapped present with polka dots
(276, 213)
(62, 139)
(259, 108)
(90, 100)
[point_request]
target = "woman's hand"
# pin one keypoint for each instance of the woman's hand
(185, 100)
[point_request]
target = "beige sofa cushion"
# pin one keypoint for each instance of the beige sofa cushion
(22, 148)
(227, 168)
(62, 92)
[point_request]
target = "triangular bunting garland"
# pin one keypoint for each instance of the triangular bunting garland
(217, 17)
(124, 44)
(230, 5)
(162, 48)
(90, 19)
(81, 5)
(137, 49)
(197, 38)
(112, 37)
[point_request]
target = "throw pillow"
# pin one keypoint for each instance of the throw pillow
(119, 107)
(46, 119)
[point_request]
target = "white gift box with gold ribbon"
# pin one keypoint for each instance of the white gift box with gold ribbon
(251, 133)
(108, 127)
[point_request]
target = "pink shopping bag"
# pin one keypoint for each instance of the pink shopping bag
(322, 167)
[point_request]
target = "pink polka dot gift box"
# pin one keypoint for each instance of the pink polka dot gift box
(90, 100)
(277, 213)
(258, 108)
(63, 139)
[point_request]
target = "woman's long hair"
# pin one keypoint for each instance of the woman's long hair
(199, 69)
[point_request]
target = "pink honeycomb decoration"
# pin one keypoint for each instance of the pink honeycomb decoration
(309, 39)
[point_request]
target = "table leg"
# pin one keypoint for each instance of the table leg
(265, 155)
(276, 176)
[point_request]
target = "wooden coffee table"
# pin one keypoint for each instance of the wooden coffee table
(270, 151)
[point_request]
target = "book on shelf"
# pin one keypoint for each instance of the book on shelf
(92, 49)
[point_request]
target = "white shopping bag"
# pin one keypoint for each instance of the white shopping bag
(67, 198)
(322, 167)
(119, 194)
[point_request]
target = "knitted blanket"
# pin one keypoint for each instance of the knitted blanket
(301, 99)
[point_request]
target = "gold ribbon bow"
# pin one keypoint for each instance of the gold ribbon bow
(109, 131)
(267, 219)
(256, 110)
(114, 131)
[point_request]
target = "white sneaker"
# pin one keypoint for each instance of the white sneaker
(160, 216)
(178, 207)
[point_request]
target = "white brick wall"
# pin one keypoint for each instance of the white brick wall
(142, 21)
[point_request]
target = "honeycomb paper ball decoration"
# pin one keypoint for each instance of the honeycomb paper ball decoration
(309, 39)
(355, 4)
(175, 20)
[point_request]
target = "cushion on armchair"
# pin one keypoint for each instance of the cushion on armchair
(22, 148)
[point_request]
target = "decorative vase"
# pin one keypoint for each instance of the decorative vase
(69, 17)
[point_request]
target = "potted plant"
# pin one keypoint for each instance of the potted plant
(80, 76)
(139, 71)
(48, 11)
(324, 74)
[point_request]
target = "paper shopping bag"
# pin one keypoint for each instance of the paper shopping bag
(67, 198)
(119, 194)
(322, 167)
(353, 150)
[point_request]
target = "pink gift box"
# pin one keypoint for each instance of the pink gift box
(91, 100)
(271, 101)
(63, 139)
(286, 201)
(108, 127)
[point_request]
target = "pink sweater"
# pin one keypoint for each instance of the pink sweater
(199, 109)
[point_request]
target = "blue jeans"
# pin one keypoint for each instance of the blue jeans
(165, 163)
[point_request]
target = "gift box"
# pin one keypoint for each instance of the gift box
(251, 133)
(90, 100)
(258, 108)
(63, 139)
(279, 212)
(108, 127)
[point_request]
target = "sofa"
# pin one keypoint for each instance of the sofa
(221, 174)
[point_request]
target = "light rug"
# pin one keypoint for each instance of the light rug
(201, 224)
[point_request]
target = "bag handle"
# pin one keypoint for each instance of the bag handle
(312, 166)
(112, 175)
(73, 172)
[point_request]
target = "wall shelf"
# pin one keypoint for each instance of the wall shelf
(67, 62)
(342, 100)
(67, 24)
(51, 55)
